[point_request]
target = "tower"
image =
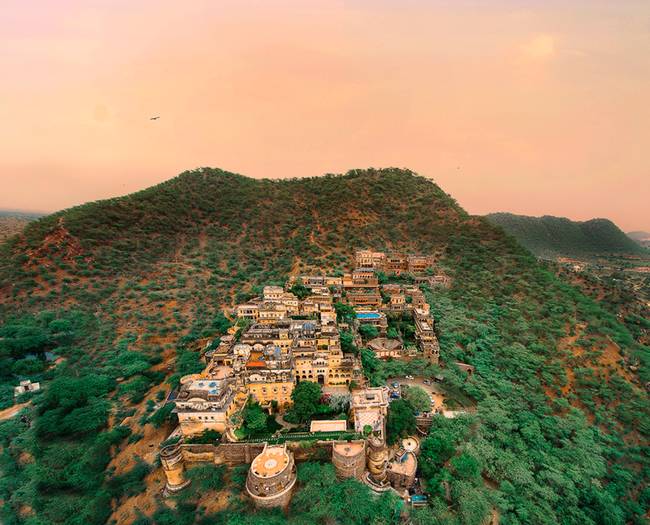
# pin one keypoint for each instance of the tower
(377, 461)
(171, 458)
(272, 477)
(349, 459)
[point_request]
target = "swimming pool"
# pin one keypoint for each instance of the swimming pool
(368, 315)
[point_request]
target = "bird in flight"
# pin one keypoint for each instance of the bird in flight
(154, 118)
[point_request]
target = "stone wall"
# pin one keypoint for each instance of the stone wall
(227, 453)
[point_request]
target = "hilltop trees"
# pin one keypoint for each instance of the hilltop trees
(73, 406)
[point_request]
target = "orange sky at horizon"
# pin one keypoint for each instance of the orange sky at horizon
(524, 106)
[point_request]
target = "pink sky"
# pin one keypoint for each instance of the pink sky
(524, 106)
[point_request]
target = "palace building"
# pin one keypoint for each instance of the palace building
(280, 339)
(393, 262)
(271, 356)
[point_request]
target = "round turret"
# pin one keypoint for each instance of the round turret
(173, 465)
(377, 459)
(271, 477)
(349, 459)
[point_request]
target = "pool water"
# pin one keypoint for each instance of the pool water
(368, 315)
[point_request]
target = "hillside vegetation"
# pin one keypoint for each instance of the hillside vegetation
(640, 237)
(120, 292)
(550, 237)
(12, 222)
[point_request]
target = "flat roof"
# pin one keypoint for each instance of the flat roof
(348, 449)
(407, 465)
(270, 462)
(369, 397)
(329, 425)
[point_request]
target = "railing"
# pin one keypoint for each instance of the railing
(305, 436)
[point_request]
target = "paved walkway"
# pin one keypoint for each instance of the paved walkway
(285, 424)
(336, 390)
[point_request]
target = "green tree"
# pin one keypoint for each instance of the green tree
(344, 312)
(204, 478)
(208, 436)
(306, 397)
(392, 333)
(254, 418)
(221, 323)
(418, 398)
(466, 466)
(324, 499)
(162, 415)
(401, 420)
(300, 290)
(347, 343)
(368, 331)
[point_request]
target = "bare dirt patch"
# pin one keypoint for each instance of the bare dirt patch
(10, 412)
(612, 358)
(144, 503)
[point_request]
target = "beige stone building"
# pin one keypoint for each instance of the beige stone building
(26, 386)
(364, 298)
(418, 263)
(276, 352)
(369, 406)
(171, 458)
(393, 262)
(206, 401)
(386, 348)
(369, 259)
(361, 278)
(402, 469)
(349, 459)
(396, 263)
(425, 335)
(268, 376)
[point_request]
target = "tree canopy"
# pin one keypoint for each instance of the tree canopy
(306, 399)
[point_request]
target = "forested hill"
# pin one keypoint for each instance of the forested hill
(118, 291)
(550, 237)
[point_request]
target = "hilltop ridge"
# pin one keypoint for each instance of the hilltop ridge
(217, 209)
(550, 237)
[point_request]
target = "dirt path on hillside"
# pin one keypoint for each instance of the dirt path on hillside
(10, 412)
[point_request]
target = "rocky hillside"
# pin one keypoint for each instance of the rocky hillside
(119, 290)
(552, 237)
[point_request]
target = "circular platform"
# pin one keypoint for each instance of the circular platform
(411, 444)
